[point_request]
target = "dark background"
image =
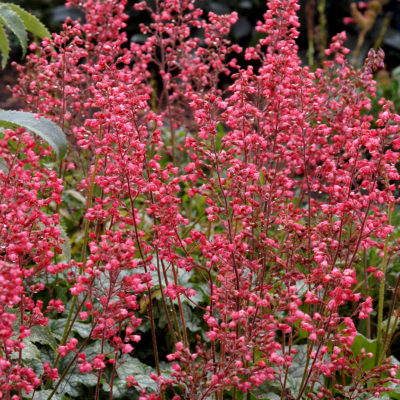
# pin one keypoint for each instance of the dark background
(53, 12)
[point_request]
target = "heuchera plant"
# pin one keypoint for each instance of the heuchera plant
(269, 190)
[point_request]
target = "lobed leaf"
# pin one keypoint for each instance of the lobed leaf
(43, 395)
(140, 372)
(30, 352)
(43, 335)
(57, 327)
(77, 384)
(370, 346)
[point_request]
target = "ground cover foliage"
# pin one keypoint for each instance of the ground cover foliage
(213, 231)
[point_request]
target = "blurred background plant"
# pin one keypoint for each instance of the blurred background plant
(374, 23)
(368, 25)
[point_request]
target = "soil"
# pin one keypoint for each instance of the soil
(8, 78)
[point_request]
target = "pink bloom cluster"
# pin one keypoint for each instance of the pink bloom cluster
(293, 174)
(29, 240)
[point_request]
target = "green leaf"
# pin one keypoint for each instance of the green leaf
(296, 370)
(43, 335)
(4, 47)
(139, 371)
(95, 348)
(76, 195)
(43, 127)
(30, 351)
(121, 391)
(77, 383)
(66, 246)
(13, 22)
(32, 24)
(43, 395)
(57, 327)
(271, 390)
(192, 321)
(369, 345)
(268, 390)
(392, 323)
(131, 366)
(3, 166)
(396, 73)
(395, 388)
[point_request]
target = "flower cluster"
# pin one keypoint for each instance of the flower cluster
(30, 238)
(269, 189)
